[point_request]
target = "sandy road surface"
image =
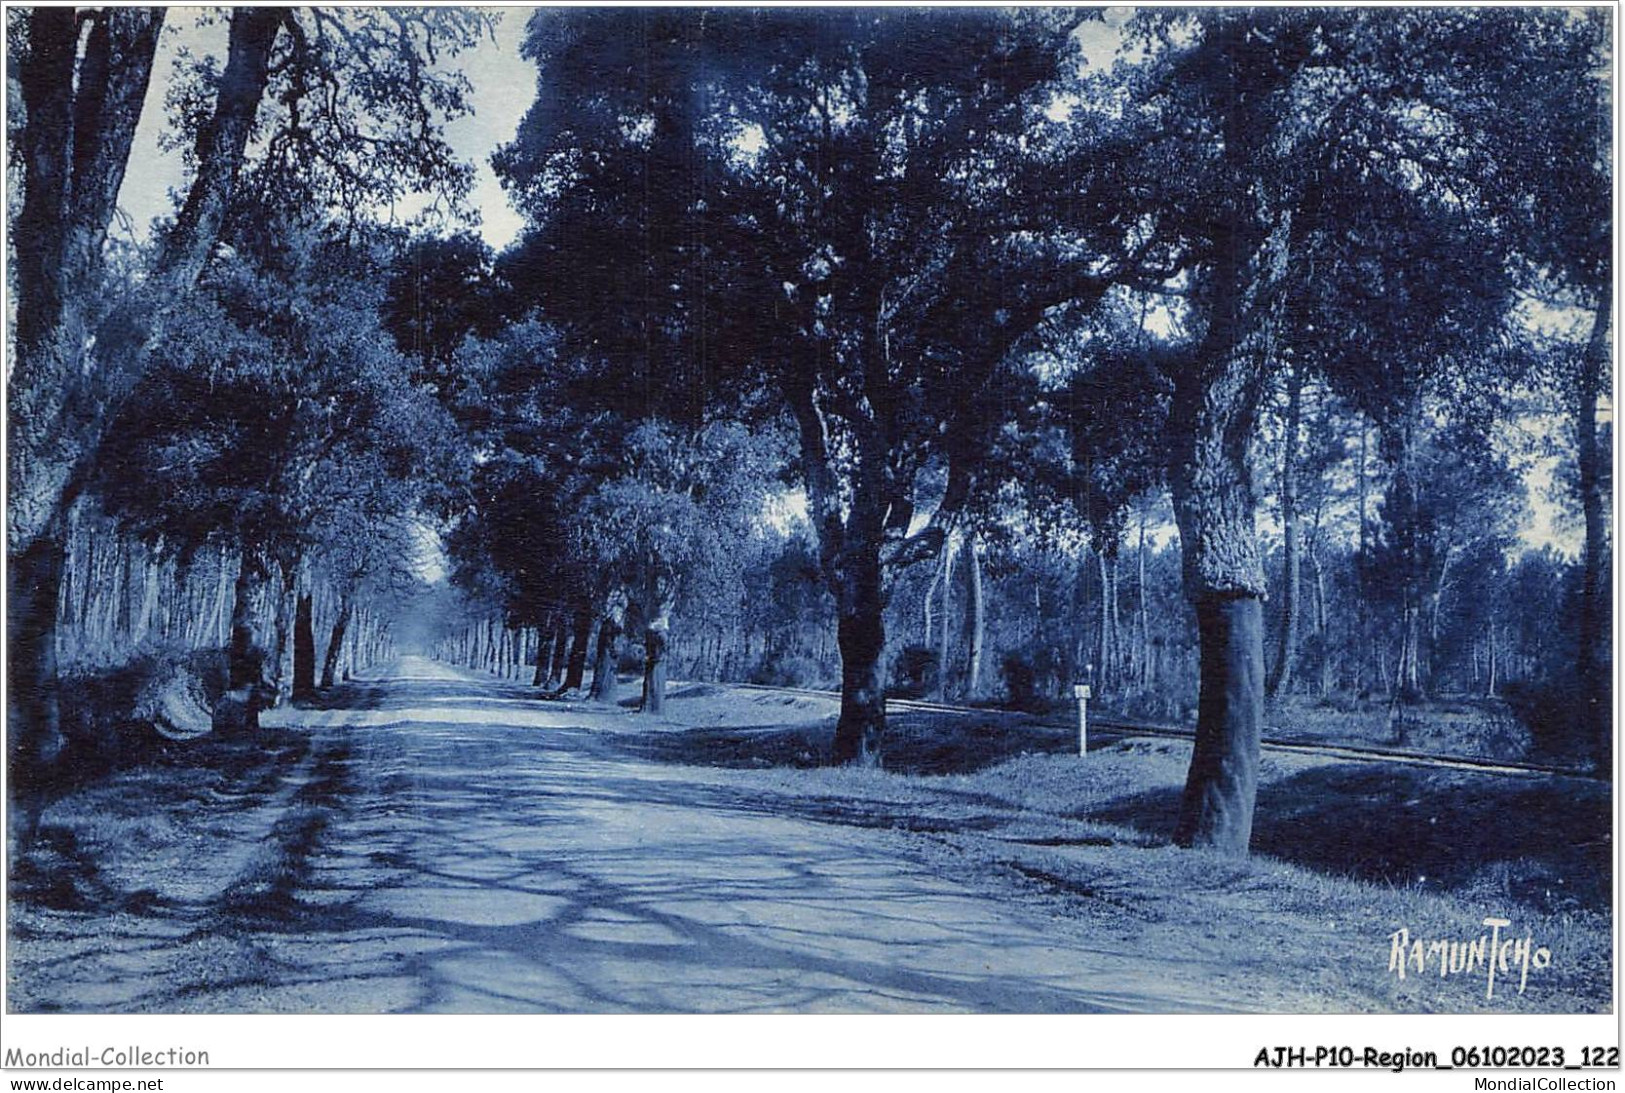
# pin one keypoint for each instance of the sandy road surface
(491, 854)
(452, 845)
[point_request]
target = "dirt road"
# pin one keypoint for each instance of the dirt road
(455, 845)
(440, 841)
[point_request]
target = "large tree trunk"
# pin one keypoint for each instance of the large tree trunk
(861, 632)
(604, 679)
(34, 731)
(221, 142)
(244, 659)
(1286, 650)
(282, 649)
(654, 668)
(660, 600)
(561, 650)
(1224, 579)
(304, 649)
(610, 627)
(237, 711)
(1211, 422)
(335, 643)
(1408, 676)
(1217, 810)
(576, 670)
(1594, 655)
(74, 146)
(544, 652)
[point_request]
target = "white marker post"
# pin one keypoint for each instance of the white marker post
(1081, 692)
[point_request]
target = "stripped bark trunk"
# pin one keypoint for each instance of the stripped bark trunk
(1222, 787)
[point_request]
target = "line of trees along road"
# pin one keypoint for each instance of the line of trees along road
(312, 110)
(879, 348)
(871, 225)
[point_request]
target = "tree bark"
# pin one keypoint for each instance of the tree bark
(45, 78)
(978, 619)
(1286, 650)
(1322, 629)
(1220, 792)
(335, 643)
(576, 670)
(35, 740)
(1594, 656)
(861, 633)
(1211, 421)
(304, 649)
(1142, 612)
(282, 613)
(660, 600)
(561, 650)
(544, 652)
(75, 147)
(222, 141)
(610, 627)
(654, 668)
(930, 603)
(57, 246)
(244, 659)
(1362, 620)
(944, 648)
(1106, 654)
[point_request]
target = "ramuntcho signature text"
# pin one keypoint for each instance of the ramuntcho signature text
(1488, 954)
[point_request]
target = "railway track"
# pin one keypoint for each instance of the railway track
(1115, 728)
